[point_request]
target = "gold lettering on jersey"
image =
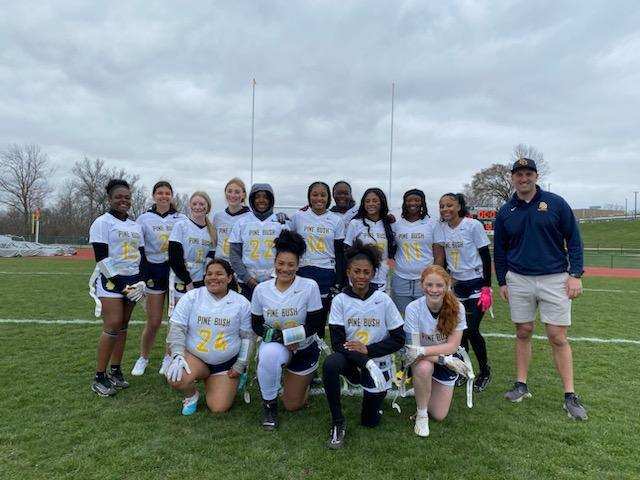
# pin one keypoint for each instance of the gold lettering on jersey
(202, 320)
(284, 312)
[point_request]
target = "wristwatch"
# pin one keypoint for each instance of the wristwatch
(440, 359)
(576, 275)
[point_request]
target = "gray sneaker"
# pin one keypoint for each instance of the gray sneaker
(519, 392)
(574, 408)
(103, 387)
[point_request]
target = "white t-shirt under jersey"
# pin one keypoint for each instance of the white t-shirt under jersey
(319, 232)
(288, 309)
(123, 238)
(461, 246)
(213, 325)
(419, 323)
(367, 321)
(196, 243)
(156, 230)
(375, 235)
(415, 247)
(256, 237)
(224, 223)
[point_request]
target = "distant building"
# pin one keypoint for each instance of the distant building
(596, 212)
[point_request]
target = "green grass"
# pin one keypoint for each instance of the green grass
(614, 234)
(54, 427)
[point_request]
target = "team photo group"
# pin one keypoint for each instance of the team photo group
(342, 292)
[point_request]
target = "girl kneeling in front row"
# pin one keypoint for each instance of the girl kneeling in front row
(210, 339)
(365, 328)
(434, 326)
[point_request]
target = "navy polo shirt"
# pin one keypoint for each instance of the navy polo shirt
(537, 238)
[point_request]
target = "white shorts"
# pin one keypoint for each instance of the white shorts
(548, 292)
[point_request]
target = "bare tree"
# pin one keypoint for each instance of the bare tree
(181, 202)
(522, 150)
(24, 170)
(491, 186)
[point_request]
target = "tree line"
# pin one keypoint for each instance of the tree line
(25, 185)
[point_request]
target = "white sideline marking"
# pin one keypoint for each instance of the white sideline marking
(84, 321)
(608, 291)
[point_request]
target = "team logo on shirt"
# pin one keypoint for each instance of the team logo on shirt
(523, 162)
(150, 283)
(543, 207)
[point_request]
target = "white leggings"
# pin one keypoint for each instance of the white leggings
(272, 357)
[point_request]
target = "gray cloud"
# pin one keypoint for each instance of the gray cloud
(164, 90)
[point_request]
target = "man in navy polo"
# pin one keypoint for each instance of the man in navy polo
(538, 258)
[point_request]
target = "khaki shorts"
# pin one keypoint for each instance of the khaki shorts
(548, 292)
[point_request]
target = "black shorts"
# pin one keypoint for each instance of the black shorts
(304, 361)
(158, 277)
(324, 277)
(110, 289)
(221, 367)
(465, 289)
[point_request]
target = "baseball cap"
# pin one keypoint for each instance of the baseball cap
(524, 163)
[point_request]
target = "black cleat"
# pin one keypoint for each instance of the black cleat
(103, 387)
(117, 379)
(482, 380)
(270, 414)
(336, 440)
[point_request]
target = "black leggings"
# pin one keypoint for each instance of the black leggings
(472, 334)
(326, 307)
(337, 364)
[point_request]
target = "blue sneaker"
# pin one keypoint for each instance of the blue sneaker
(190, 404)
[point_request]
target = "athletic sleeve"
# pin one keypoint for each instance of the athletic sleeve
(338, 338)
(499, 250)
(144, 264)
(176, 262)
(99, 231)
(479, 235)
(485, 256)
(235, 258)
(100, 251)
(394, 342)
(338, 248)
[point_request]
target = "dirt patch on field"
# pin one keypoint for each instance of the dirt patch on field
(612, 272)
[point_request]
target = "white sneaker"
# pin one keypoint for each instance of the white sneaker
(190, 404)
(166, 361)
(139, 367)
(421, 427)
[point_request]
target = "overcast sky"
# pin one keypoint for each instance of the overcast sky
(164, 90)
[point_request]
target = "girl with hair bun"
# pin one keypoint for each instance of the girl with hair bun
(157, 224)
(116, 284)
(286, 313)
(466, 247)
(365, 328)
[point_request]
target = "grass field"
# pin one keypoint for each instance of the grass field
(53, 426)
(614, 234)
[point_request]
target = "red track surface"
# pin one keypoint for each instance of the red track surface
(612, 272)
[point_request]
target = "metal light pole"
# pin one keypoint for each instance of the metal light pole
(635, 204)
(253, 120)
(393, 92)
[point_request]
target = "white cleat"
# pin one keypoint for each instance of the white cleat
(166, 361)
(421, 427)
(139, 367)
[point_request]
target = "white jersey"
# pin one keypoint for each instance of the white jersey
(415, 247)
(256, 237)
(377, 236)
(196, 244)
(347, 216)
(213, 325)
(367, 321)
(420, 324)
(156, 230)
(319, 233)
(288, 309)
(123, 239)
(224, 222)
(461, 246)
